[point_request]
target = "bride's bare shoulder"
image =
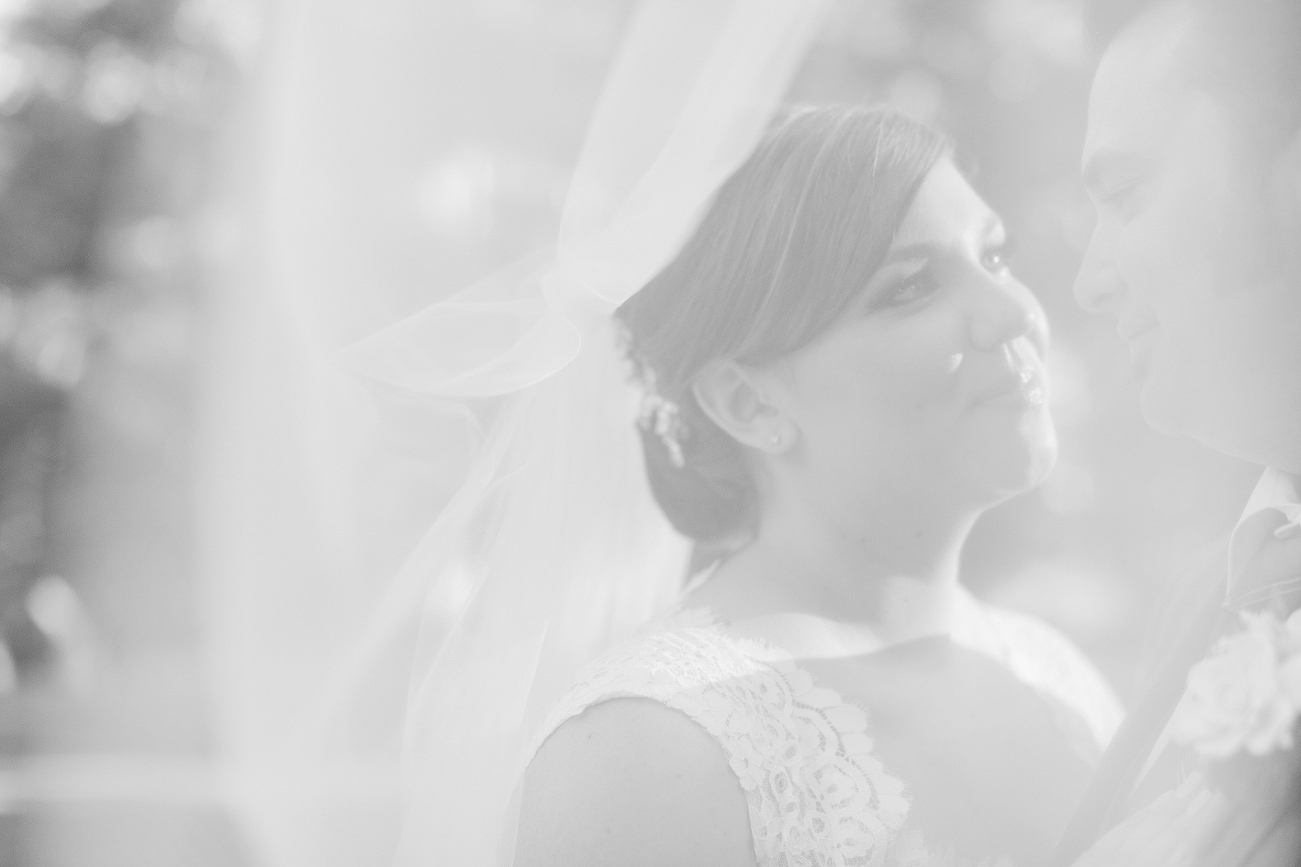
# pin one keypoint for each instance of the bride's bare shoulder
(631, 781)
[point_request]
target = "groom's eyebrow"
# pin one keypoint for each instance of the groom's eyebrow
(1106, 168)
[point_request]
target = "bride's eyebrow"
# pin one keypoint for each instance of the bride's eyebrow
(908, 252)
(992, 228)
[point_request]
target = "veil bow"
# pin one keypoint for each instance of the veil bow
(555, 529)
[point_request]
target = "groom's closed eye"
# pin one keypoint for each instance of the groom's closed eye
(1122, 198)
(1111, 176)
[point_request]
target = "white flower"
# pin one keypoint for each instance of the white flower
(1289, 680)
(1293, 630)
(1246, 695)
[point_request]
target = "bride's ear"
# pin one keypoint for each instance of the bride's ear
(734, 399)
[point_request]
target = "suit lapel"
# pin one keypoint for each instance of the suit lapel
(1109, 791)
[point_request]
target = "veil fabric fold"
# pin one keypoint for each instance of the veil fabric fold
(555, 533)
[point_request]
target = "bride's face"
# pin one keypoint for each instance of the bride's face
(932, 385)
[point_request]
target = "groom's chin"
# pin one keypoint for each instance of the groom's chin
(1164, 410)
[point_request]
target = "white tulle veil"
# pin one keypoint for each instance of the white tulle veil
(555, 529)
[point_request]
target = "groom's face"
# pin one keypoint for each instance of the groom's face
(1178, 243)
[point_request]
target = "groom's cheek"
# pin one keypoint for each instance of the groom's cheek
(1150, 253)
(1097, 284)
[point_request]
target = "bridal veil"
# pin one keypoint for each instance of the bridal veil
(555, 532)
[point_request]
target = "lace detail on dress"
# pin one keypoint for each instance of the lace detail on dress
(816, 794)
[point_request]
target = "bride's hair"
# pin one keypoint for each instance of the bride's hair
(789, 241)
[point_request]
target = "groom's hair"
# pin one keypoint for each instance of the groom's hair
(1247, 53)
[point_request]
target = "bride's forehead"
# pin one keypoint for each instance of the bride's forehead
(945, 206)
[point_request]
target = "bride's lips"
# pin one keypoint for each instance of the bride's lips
(1021, 389)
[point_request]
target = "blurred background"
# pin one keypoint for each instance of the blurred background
(200, 198)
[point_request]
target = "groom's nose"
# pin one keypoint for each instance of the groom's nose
(1098, 283)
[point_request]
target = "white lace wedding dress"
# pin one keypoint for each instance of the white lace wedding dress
(816, 792)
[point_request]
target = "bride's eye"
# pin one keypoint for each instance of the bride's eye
(917, 285)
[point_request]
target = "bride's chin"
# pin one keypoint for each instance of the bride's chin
(1041, 466)
(1024, 464)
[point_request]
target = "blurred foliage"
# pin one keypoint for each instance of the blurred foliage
(84, 86)
(107, 110)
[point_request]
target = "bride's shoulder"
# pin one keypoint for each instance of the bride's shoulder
(1043, 656)
(632, 781)
(631, 768)
(738, 724)
(1033, 641)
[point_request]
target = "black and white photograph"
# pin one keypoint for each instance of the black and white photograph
(650, 433)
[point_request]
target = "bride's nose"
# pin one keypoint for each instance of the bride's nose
(1004, 311)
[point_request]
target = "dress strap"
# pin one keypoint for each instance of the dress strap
(816, 794)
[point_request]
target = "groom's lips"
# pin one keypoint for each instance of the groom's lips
(1130, 333)
(1139, 339)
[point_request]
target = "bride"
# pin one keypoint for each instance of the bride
(841, 376)
(836, 374)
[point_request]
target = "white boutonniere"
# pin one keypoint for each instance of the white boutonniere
(1245, 696)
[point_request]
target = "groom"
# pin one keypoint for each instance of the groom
(1193, 158)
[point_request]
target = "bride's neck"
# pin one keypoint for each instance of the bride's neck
(895, 573)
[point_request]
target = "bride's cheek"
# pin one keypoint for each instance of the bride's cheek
(935, 379)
